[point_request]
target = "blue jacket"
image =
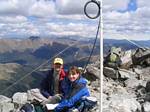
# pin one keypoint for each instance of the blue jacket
(72, 92)
(47, 84)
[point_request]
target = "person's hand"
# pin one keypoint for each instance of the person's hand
(55, 99)
(59, 96)
(43, 103)
(49, 97)
(52, 100)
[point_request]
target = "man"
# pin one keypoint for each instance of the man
(49, 90)
(113, 59)
(50, 85)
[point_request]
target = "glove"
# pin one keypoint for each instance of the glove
(55, 99)
(52, 100)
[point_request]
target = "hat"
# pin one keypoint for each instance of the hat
(58, 60)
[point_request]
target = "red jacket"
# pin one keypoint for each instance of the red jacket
(62, 74)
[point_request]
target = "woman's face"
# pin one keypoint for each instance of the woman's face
(73, 76)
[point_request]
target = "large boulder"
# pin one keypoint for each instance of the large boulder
(35, 94)
(6, 107)
(120, 73)
(124, 74)
(144, 73)
(92, 73)
(141, 57)
(127, 74)
(110, 72)
(4, 99)
(146, 107)
(126, 60)
(20, 98)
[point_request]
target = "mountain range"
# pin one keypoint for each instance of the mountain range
(18, 57)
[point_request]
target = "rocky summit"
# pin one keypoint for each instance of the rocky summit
(124, 90)
(14, 103)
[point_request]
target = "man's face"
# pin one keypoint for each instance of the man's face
(57, 67)
(73, 76)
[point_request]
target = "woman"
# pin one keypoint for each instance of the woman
(74, 88)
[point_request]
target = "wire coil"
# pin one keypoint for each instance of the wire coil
(97, 4)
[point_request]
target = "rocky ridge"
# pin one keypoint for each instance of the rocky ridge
(14, 103)
(124, 90)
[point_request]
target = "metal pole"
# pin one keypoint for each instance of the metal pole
(100, 26)
(101, 59)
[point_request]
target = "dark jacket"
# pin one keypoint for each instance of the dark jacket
(73, 92)
(47, 84)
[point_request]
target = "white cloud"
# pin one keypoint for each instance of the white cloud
(143, 12)
(79, 29)
(143, 3)
(70, 6)
(23, 29)
(27, 7)
(46, 28)
(77, 6)
(14, 7)
(66, 18)
(120, 36)
(113, 5)
(12, 19)
(42, 9)
(134, 23)
(114, 15)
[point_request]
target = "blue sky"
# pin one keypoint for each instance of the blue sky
(23, 18)
(132, 5)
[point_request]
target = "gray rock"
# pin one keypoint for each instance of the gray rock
(4, 99)
(6, 107)
(147, 97)
(126, 74)
(20, 98)
(147, 86)
(142, 57)
(120, 90)
(144, 73)
(133, 83)
(122, 103)
(146, 107)
(96, 64)
(92, 73)
(110, 72)
(95, 83)
(35, 94)
(138, 71)
(126, 59)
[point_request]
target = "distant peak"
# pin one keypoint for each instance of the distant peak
(34, 37)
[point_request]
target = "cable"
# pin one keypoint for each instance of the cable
(97, 32)
(26, 75)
